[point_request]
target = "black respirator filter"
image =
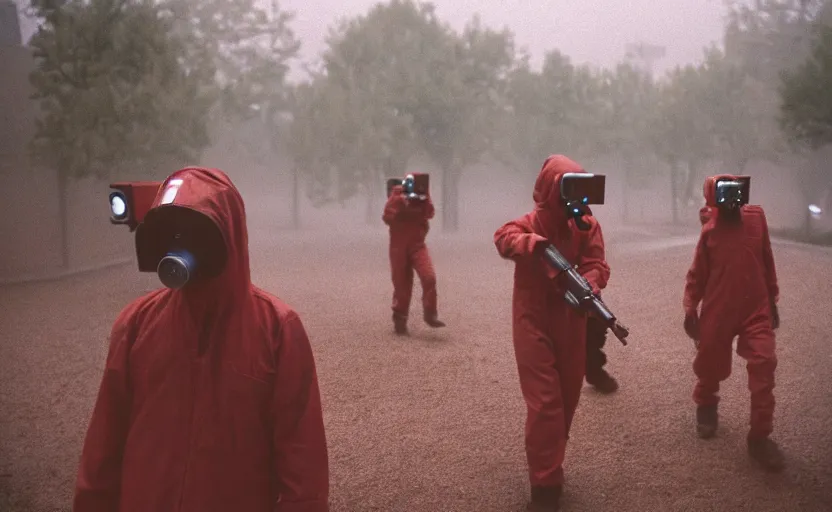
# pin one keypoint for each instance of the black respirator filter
(578, 191)
(177, 268)
(181, 245)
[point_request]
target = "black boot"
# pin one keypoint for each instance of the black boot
(603, 382)
(545, 499)
(432, 319)
(766, 453)
(596, 376)
(707, 420)
(400, 324)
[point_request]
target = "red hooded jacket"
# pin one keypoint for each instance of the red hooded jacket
(236, 425)
(549, 336)
(733, 264)
(549, 221)
(408, 220)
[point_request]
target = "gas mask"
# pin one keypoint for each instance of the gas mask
(415, 186)
(578, 191)
(181, 245)
(409, 187)
(730, 194)
(177, 268)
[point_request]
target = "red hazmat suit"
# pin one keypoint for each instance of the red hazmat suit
(549, 336)
(408, 221)
(734, 277)
(209, 400)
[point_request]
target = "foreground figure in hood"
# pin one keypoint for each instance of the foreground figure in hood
(408, 215)
(549, 335)
(734, 278)
(209, 400)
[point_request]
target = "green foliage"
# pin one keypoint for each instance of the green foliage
(398, 82)
(456, 126)
(112, 94)
(680, 131)
(554, 110)
(240, 51)
(372, 67)
(738, 112)
(806, 111)
(127, 84)
(631, 102)
(766, 37)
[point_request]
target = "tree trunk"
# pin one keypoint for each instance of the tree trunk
(690, 184)
(372, 214)
(625, 201)
(296, 197)
(674, 191)
(625, 189)
(450, 199)
(63, 214)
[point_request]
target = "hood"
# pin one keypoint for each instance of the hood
(550, 210)
(709, 188)
(547, 187)
(210, 193)
(706, 213)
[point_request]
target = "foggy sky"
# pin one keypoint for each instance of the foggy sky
(591, 31)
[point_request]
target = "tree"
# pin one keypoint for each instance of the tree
(363, 64)
(739, 112)
(681, 131)
(112, 94)
(526, 141)
(411, 84)
(806, 113)
(456, 113)
(307, 142)
(239, 49)
(627, 117)
(806, 108)
(766, 38)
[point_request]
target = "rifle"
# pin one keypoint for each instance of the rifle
(579, 293)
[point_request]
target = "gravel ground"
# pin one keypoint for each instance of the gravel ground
(435, 422)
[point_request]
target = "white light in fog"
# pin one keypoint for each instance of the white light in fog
(815, 209)
(117, 205)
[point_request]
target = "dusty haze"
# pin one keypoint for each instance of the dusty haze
(591, 31)
(434, 422)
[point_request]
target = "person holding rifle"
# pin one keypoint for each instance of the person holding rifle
(550, 304)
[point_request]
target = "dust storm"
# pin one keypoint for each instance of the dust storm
(478, 95)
